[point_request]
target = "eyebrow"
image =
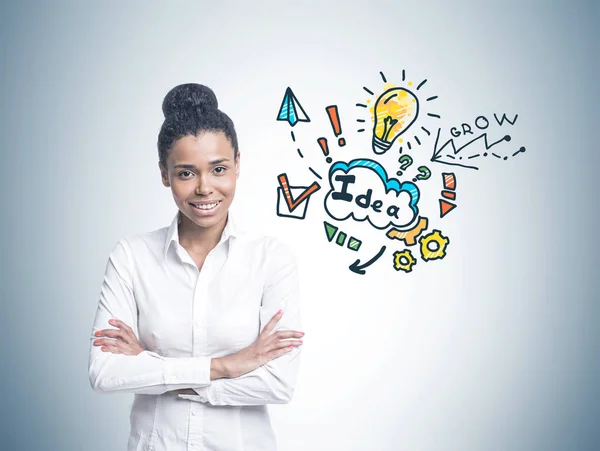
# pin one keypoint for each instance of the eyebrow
(191, 166)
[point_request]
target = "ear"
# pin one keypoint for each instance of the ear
(237, 166)
(164, 176)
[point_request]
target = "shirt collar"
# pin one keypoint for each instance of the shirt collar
(231, 230)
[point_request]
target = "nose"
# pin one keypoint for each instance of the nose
(203, 187)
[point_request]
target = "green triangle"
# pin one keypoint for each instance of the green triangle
(330, 230)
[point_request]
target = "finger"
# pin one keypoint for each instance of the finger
(103, 342)
(284, 344)
(116, 333)
(129, 335)
(102, 332)
(121, 325)
(281, 352)
(111, 348)
(283, 335)
(288, 334)
(271, 324)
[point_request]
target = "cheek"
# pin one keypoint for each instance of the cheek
(227, 185)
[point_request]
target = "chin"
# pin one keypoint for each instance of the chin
(207, 222)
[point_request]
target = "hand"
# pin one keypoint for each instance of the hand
(125, 341)
(266, 347)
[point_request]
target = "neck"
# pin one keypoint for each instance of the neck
(196, 238)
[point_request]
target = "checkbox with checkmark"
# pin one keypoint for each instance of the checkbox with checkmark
(292, 201)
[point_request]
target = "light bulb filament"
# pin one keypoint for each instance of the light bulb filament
(388, 123)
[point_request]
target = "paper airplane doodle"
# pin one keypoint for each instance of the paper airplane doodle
(291, 110)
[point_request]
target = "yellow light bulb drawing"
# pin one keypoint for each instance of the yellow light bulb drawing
(395, 111)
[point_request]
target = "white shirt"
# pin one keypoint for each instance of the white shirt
(183, 317)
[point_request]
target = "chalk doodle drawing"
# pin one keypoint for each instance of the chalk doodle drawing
(289, 198)
(359, 268)
(405, 162)
(424, 174)
(361, 193)
(404, 261)
(433, 245)
(291, 110)
(409, 236)
(334, 118)
(449, 192)
(395, 111)
(331, 230)
(325, 148)
(475, 148)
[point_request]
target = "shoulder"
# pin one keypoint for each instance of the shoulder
(138, 244)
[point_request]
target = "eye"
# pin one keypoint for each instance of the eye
(220, 169)
(184, 172)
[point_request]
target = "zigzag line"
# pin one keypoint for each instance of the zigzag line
(436, 151)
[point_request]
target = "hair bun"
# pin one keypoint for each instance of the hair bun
(189, 96)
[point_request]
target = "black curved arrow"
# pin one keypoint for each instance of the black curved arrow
(360, 269)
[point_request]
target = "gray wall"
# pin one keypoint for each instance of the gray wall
(494, 348)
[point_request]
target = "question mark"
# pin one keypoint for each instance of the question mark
(424, 173)
(405, 161)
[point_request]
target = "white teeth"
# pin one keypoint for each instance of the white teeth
(206, 206)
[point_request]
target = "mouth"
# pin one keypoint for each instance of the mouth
(206, 208)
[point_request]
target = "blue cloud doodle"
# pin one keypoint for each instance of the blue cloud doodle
(390, 184)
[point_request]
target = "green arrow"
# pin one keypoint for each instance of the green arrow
(330, 230)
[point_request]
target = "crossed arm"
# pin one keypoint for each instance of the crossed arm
(263, 373)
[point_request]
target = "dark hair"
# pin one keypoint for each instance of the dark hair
(191, 109)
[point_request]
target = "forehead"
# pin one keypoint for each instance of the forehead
(200, 149)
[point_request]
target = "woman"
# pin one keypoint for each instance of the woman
(205, 314)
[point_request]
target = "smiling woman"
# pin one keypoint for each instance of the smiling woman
(202, 174)
(198, 158)
(205, 314)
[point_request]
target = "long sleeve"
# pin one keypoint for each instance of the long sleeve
(147, 372)
(273, 382)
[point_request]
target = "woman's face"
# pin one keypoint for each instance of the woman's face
(202, 174)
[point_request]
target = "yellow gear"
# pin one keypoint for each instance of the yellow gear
(408, 263)
(437, 251)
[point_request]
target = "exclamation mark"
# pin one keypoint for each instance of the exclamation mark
(334, 118)
(323, 143)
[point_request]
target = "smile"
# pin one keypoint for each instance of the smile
(206, 207)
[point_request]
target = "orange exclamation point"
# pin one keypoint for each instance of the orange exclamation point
(334, 118)
(323, 143)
